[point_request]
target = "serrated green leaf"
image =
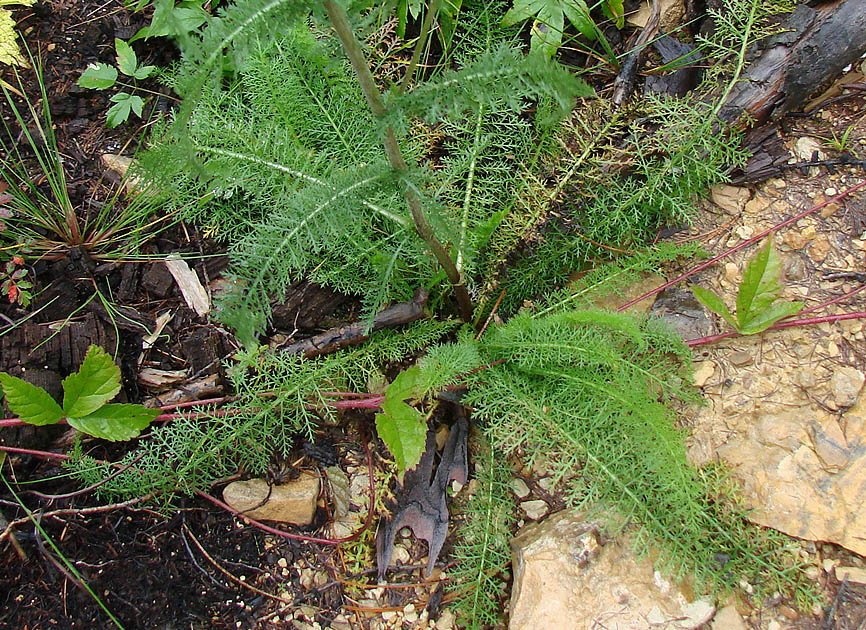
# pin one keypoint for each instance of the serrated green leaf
(31, 404)
(124, 104)
(98, 76)
(96, 382)
(769, 316)
(172, 20)
(713, 302)
(126, 58)
(115, 422)
(761, 285)
(400, 425)
(143, 72)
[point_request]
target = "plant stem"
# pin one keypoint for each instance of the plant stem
(432, 8)
(788, 323)
(746, 243)
(337, 16)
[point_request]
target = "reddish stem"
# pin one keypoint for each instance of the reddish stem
(30, 451)
(779, 325)
(746, 243)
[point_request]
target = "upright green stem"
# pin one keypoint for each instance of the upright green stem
(432, 8)
(338, 19)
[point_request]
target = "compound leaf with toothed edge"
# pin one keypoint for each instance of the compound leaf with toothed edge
(127, 61)
(714, 303)
(400, 425)
(30, 403)
(96, 382)
(98, 76)
(115, 421)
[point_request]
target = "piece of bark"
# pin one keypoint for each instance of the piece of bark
(682, 80)
(157, 280)
(353, 334)
(199, 389)
(305, 305)
(422, 503)
(813, 47)
(623, 85)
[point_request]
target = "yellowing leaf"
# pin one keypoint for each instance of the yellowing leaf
(9, 52)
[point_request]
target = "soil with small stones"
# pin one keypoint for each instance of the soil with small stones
(197, 566)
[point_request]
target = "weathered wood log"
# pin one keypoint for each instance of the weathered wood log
(353, 334)
(784, 70)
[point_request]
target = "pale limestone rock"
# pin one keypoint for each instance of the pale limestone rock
(534, 509)
(853, 574)
(740, 358)
(520, 488)
(703, 373)
(757, 205)
(671, 14)
(292, 502)
(805, 148)
(804, 472)
(846, 384)
(564, 579)
(728, 619)
(731, 199)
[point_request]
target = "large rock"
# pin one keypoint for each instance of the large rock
(803, 468)
(291, 502)
(565, 579)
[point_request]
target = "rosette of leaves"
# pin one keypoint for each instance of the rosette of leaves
(85, 401)
(758, 307)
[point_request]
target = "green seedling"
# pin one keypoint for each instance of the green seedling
(758, 307)
(14, 285)
(549, 20)
(173, 20)
(85, 401)
(840, 143)
(102, 76)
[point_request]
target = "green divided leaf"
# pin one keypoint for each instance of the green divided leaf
(126, 59)
(759, 322)
(123, 104)
(96, 382)
(143, 72)
(714, 303)
(400, 425)
(30, 403)
(761, 287)
(115, 422)
(98, 76)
